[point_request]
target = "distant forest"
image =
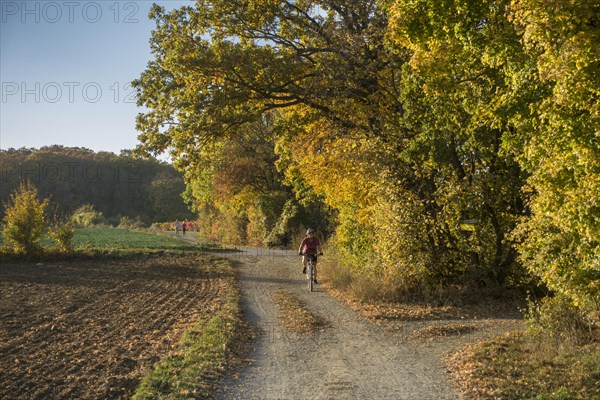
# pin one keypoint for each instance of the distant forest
(119, 186)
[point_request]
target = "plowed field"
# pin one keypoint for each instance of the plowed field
(91, 329)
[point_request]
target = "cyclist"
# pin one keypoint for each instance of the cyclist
(310, 245)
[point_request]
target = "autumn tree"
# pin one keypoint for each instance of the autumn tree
(238, 193)
(454, 101)
(237, 61)
(24, 220)
(559, 143)
(375, 118)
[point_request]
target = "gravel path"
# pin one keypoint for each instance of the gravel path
(350, 358)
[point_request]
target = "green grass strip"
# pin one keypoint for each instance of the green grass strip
(124, 239)
(204, 354)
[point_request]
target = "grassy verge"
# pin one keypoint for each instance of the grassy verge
(515, 366)
(204, 353)
(295, 317)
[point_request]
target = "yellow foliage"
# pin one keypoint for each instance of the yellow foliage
(24, 220)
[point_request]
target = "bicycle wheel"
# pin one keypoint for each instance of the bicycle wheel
(311, 276)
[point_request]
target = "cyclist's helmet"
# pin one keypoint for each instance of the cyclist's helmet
(310, 231)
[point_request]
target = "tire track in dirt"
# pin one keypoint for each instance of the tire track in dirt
(350, 359)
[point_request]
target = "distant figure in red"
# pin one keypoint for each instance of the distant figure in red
(184, 227)
(310, 245)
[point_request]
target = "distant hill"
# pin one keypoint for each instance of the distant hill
(116, 185)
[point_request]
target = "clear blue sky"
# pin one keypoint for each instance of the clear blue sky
(65, 68)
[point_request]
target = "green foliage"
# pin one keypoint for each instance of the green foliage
(559, 320)
(559, 145)
(24, 220)
(186, 375)
(452, 96)
(281, 234)
(86, 216)
(238, 192)
(162, 227)
(398, 124)
(165, 194)
(404, 118)
(115, 185)
(63, 233)
(123, 240)
(129, 223)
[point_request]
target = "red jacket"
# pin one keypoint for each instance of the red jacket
(310, 245)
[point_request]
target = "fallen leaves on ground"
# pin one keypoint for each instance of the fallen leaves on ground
(295, 317)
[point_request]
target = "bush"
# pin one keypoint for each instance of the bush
(24, 221)
(63, 232)
(161, 226)
(86, 216)
(558, 319)
(129, 223)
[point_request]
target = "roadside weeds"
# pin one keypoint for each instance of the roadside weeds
(514, 366)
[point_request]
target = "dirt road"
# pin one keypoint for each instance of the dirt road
(349, 359)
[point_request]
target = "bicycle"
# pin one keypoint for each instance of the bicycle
(310, 269)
